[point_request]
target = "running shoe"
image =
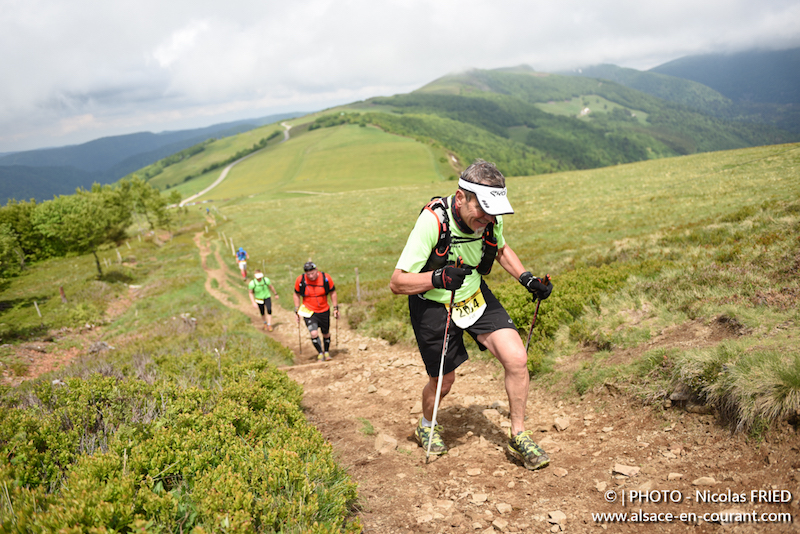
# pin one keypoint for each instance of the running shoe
(320, 357)
(327, 356)
(425, 433)
(525, 449)
(269, 327)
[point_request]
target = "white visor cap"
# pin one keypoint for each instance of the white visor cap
(259, 276)
(493, 200)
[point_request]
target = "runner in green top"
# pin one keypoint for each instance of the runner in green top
(466, 244)
(261, 291)
(473, 220)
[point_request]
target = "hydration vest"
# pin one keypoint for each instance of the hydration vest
(438, 257)
(325, 284)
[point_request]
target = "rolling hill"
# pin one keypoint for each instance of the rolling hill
(41, 174)
(763, 76)
(532, 123)
(667, 87)
(755, 86)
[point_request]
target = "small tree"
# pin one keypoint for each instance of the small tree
(12, 258)
(84, 221)
(148, 202)
(32, 244)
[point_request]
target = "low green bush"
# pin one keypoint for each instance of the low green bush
(109, 453)
(573, 292)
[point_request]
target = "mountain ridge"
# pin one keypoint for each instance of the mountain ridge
(741, 76)
(739, 87)
(40, 174)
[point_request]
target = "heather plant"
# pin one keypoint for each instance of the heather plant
(110, 452)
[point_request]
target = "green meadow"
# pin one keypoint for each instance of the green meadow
(597, 105)
(330, 160)
(560, 218)
(188, 176)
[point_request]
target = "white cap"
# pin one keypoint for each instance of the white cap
(493, 200)
(259, 276)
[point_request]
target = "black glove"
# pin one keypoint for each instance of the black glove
(450, 277)
(539, 288)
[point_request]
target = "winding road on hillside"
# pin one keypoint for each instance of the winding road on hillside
(226, 170)
(366, 404)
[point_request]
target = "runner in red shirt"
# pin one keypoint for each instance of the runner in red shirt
(311, 291)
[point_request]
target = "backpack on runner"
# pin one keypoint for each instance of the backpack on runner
(325, 284)
(438, 257)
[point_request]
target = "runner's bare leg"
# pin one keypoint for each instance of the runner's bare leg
(506, 345)
(429, 392)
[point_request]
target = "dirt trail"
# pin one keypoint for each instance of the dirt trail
(367, 400)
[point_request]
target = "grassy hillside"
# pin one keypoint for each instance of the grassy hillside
(560, 219)
(670, 88)
(203, 167)
(327, 160)
(760, 107)
(678, 127)
(44, 173)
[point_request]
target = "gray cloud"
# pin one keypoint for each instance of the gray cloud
(84, 69)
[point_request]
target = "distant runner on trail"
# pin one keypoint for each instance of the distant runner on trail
(261, 291)
(241, 258)
(311, 290)
(467, 225)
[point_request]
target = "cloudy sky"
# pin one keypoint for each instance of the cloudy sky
(79, 70)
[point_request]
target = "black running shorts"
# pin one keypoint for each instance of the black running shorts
(428, 320)
(319, 321)
(267, 304)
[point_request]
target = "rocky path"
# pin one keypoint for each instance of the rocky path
(366, 402)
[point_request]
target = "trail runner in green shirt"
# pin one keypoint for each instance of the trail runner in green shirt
(475, 220)
(261, 291)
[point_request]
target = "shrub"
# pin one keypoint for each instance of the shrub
(749, 388)
(573, 292)
(114, 454)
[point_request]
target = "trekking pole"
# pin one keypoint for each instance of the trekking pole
(441, 367)
(535, 314)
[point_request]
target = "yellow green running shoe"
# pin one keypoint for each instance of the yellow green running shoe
(425, 433)
(524, 448)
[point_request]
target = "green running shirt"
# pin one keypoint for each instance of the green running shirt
(260, 289)
(424, 237)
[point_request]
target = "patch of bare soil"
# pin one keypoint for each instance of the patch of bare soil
(366, 402)
(60, 347)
